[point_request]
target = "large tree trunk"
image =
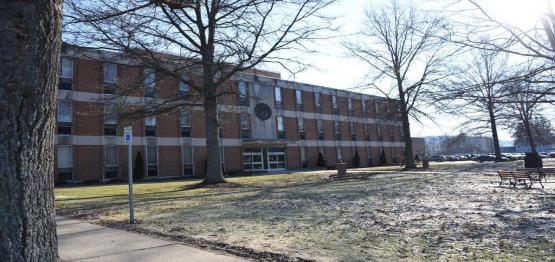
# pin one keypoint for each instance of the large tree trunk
(214, 173)
(29, 55)
(409, 156)
(493, 123)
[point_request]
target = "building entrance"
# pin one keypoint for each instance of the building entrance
(263, 158)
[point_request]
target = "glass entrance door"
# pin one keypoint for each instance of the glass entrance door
(253, 159)
(276, 158)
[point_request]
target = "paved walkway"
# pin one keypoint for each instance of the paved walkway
(79, 241)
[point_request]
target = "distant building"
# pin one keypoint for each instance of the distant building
(523, 148)
(462, 144)
(419, 146)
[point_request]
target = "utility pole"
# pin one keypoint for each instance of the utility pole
(128, 139)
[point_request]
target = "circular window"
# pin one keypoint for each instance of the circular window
(263, 111)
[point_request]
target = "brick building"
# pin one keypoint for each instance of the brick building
(268, 124)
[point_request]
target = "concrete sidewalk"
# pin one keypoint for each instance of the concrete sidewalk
(79, 241)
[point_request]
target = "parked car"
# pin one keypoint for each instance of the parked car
(436, 158)
(552, 154)
(484, 158)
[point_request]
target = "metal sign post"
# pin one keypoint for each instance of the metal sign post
(128, 139)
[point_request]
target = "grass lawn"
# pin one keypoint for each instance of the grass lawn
(368, 215)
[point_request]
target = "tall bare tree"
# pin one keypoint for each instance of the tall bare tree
(216, 40)
(524, 109)
(477, 93)
(29, 53)
(406, 51)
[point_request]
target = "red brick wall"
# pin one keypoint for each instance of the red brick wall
(293, 156)
(89, 162)
(88, 76)
(169, 161)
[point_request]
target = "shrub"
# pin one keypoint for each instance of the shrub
(383, 159)
(321, 161)
(356, 160)
(532, 160)
(139, 169)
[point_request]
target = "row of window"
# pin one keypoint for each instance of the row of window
(65, 113)
(246, 131)
(299, 100)
(65, 160)
(110, 80)
(149, 81)
(65, 119)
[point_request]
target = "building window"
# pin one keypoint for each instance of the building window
(64, 116)
(302, 133)
(391, 134)
(304, 162)
(187, 155)
(320, 129)
(350, 106)
(317, 102)
(299, 100)
(110, 120)
(183, 87)
(243, 93)
(245, 126)
(367, 132)
(377, 106)
(110, 78)
(280, 127)
(364, 107)
(277, 97)
(402, 133)
(150, 126)
(339, 153)
(111, 161)
(334, 105)
(352, 126)
(65, 162)
(185, 119)
(380, 133)
(152, 158)
(337, 131)
(150, 82)
(66, 74)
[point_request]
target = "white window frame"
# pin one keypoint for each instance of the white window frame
(150, 121)
(299, 97)
(69, 66)
(58, 114)
(277, 95)
(183, 146)
(110, 110)
(107, 67)
(106, 155)
(280, 123)
(184, 87)
(184, 123)
(70, 155)
(317, 99)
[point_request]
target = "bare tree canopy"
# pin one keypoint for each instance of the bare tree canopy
(407, 53)
(523, 111)
(212, 41)
(476, 93)
(532, 43)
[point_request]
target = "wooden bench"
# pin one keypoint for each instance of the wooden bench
(519, 177)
